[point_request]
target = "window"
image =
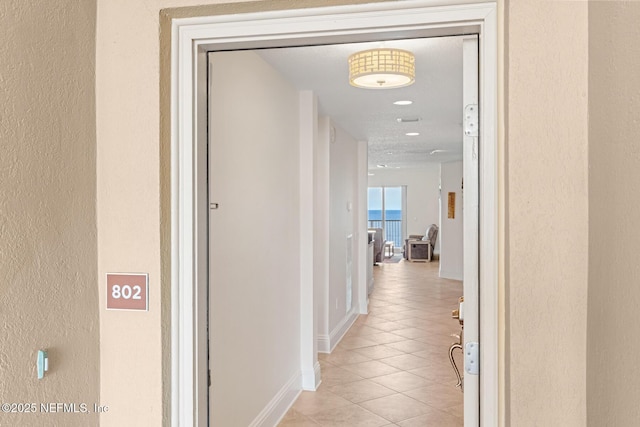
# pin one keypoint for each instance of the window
(386, 211)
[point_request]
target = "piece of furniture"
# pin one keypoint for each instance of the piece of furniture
(378, 244)
(421, 249)
(388, 249)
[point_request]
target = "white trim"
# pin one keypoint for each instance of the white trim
(312, 378)
(470, 273)
(341, 328)
(328, 343)
(488, 260)
(324, 343)
(193, 36)
(277, 408)
(308, 328)
(362, 236)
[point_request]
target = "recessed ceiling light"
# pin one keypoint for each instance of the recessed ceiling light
(412, 133)
(403, 102)
(382, 166)
(408, 119)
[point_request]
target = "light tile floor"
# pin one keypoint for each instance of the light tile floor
(392, 367)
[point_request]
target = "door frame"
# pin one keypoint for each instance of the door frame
(191, 39)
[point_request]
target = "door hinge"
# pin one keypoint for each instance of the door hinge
(209, 378)
(471, 120)
(471, 358)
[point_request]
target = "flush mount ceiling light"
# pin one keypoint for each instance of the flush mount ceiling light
(382, 68)
(412, 133)
(403, 103)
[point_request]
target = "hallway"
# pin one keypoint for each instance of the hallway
(392, 367)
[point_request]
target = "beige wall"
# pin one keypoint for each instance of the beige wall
(614, 203)
(547, 212)
(133, 172)
(48, 297)
(545, 201)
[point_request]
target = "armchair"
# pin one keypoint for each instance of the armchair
(378, 244)
(421, 248)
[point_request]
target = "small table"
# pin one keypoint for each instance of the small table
(388, 245)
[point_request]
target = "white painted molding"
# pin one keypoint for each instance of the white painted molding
(311, 378)
(277, 408)
(341, 328)
(318, 372)
(327, 343)
(324, 344)
(310, 381)
(191, 38)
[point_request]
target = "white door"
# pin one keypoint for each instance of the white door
(254, 292)
(471, 223)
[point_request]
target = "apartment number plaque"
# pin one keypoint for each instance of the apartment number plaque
(128, 291)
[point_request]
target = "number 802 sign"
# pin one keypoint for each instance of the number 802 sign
(127, 291)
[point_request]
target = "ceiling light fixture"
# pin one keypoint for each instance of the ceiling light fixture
(382, 68)
(403, 103)
(436, 151)
(412, 133)
(408, 119)
(382, 166)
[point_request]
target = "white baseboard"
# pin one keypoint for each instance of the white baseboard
(338, 332)
(278, 406)
(453, 275)
(324, 345)
(311, 379)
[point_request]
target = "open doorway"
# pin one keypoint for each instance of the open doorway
(189, 388)
(254, 125)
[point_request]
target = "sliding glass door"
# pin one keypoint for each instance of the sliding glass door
(386, 210)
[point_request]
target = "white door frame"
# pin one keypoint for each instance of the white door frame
(191, 38)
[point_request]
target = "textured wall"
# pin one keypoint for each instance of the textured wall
(614, 203)
(133, 170)
(48, 293)
(547, 212)
(545, 67)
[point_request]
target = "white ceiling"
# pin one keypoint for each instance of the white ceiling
(370, 115)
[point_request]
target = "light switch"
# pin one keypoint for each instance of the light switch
(42, 363)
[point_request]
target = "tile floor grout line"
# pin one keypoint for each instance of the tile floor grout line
(415, 386)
